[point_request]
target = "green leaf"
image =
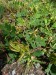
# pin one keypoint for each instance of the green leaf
(37, 15)
(38, 53)
(54, 46)
(40, 41)
(11, 55)
(53, 70)
(53, 58)
(2, 9)
(27, 36)
(54, 25)
(8, 26)
(20, 21)
(48, 69)
(33, 44)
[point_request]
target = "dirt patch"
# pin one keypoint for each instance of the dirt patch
(20, 69)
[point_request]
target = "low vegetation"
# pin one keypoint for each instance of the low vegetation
(28, 32)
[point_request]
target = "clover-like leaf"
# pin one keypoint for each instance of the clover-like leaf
(38, 53)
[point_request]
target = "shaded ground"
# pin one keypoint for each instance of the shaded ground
(2, 61)
(3, 57)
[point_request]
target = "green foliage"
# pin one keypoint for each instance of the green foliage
(51, 69)
(32, 33)
(38, 53)
(2, 9)
(8, 30)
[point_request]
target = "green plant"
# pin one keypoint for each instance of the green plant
(2, 9)
(33, 35)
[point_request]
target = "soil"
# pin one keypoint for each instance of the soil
(3, 56)
(20, 69)
(2, 61)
